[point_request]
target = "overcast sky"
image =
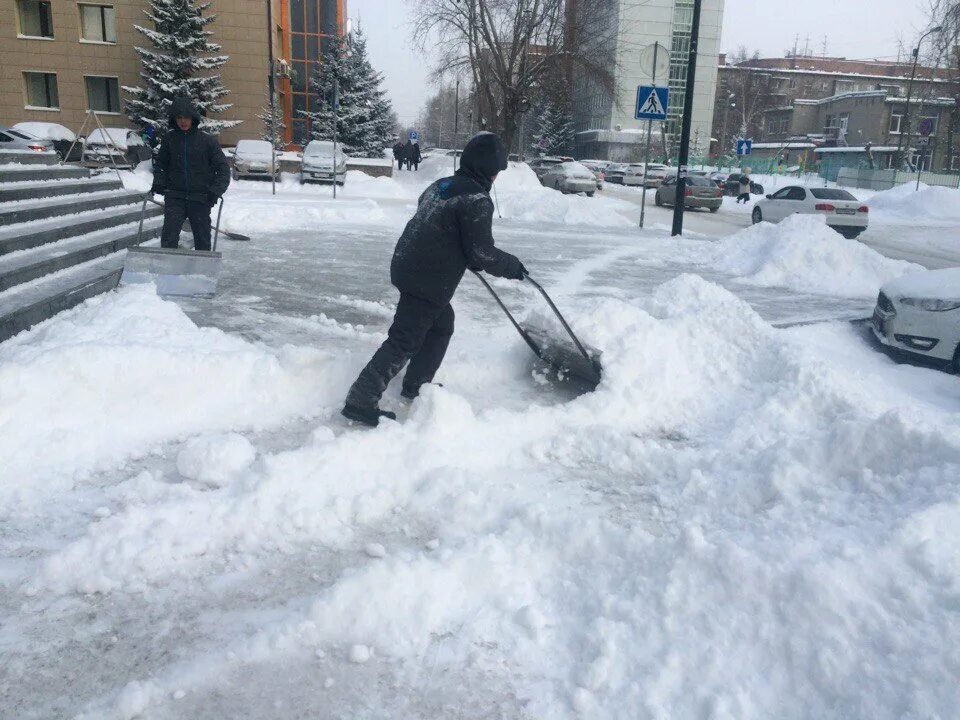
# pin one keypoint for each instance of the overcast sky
(854, 29)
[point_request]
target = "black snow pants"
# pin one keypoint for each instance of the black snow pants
(743, 198)
(420, 333)
(175, 211)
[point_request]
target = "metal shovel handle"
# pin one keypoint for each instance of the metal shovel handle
(523, 333)
(143, 211)
(563, 321)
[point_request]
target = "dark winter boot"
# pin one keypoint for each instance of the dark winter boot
(367, 416)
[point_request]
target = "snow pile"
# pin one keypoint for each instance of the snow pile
(521, 197)
(803, 253)
(905, 203)
(728, 525)
(126, 370)
(214, 458)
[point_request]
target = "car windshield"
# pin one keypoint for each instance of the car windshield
(576, 170)
(322, 150)
(20, 135)
(253, 147)
(831, 194)
(698, 181)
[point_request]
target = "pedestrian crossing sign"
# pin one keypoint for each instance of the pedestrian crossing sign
(652, 102)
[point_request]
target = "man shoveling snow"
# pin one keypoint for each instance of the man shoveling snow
(451, 231)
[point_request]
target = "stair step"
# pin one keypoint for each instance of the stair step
(34, 173)
(22, 267)
(29, 157)
(26, 305)
(29, 210)
(14, 238)
(57, 188)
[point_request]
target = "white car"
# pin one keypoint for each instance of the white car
(655, 175)
(252, 159)
(571, 177)
(614, 173)
(919, 314)
(319, 165)
(844, 213)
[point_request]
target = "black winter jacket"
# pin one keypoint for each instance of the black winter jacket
(453, 229)
(190, 165)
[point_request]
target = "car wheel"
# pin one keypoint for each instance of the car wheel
(714, 209)
(955, 364)
(757, 215)
(234, 174)
(302, 181)
(590, 194)
(657, 201)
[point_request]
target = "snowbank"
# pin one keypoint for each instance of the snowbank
(905, 203)
(759, 560)
(109, 380)
(803, 253)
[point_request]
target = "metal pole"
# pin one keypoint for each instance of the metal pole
(646, 153)
(272, 88)
(456, 125)
(680, 200)
(336, 103)
(905, 130)
(440, 124)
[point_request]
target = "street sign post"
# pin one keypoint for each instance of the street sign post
(642, 104)
(925, 127)
(652, 102)
(744, 147)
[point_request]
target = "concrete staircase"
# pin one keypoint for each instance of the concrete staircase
(62, 236)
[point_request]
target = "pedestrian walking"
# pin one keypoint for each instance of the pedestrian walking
(744, 195)
(451, 231)
(398, 154)
(191, 173)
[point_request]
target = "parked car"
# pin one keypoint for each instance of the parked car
(12, 139)
(614, 173)
(319, 166)
(919, 314)
(732, 185)
(700, 192)
(542, 164)
(252, 159)
(120, 147)
(571, 177)
(655, 174)
(61, 137)
(844, 213)
(720, 178)
(598, 168)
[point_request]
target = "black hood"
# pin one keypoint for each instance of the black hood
(483, 157)
(182, 107)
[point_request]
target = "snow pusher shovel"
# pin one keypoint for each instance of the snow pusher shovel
(568, 361)
(177, 272)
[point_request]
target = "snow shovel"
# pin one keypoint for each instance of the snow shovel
(568, 361)
(177, 272)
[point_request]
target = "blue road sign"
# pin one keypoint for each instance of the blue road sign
(414, 136)
(652, 102)
(925, 127)
(744, 147)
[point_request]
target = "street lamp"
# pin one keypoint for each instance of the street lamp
(905, 130)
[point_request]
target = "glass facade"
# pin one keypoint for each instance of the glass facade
(313, 24)
(679, 56)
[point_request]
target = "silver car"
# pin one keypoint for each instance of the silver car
(252, 159)
(571, 177)
(700, 192)
(319, 164)
(17, 141)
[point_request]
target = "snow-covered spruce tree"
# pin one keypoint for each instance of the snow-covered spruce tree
(554, 133)
(365, 117)
(273, 126)
(181, 62)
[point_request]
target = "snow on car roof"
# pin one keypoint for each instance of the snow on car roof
(929, 285)
(254, 146)
(45, 131)
(114, 136)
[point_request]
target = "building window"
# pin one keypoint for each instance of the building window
(103, 94)
(98, 23)
(313, 27)
(785, 125)
(41, 90)
(36, 18)
(896, 121)
(844, 122)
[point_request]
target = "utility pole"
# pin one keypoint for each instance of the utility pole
(680, 201)
(272, 89)
(456, 125)
(646, 154)
(336, 110)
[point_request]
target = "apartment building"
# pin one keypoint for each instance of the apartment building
(61, 58)
(604, 120)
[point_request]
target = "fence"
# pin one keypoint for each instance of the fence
(866, 178)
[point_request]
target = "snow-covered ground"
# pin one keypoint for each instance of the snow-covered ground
(741, 522)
